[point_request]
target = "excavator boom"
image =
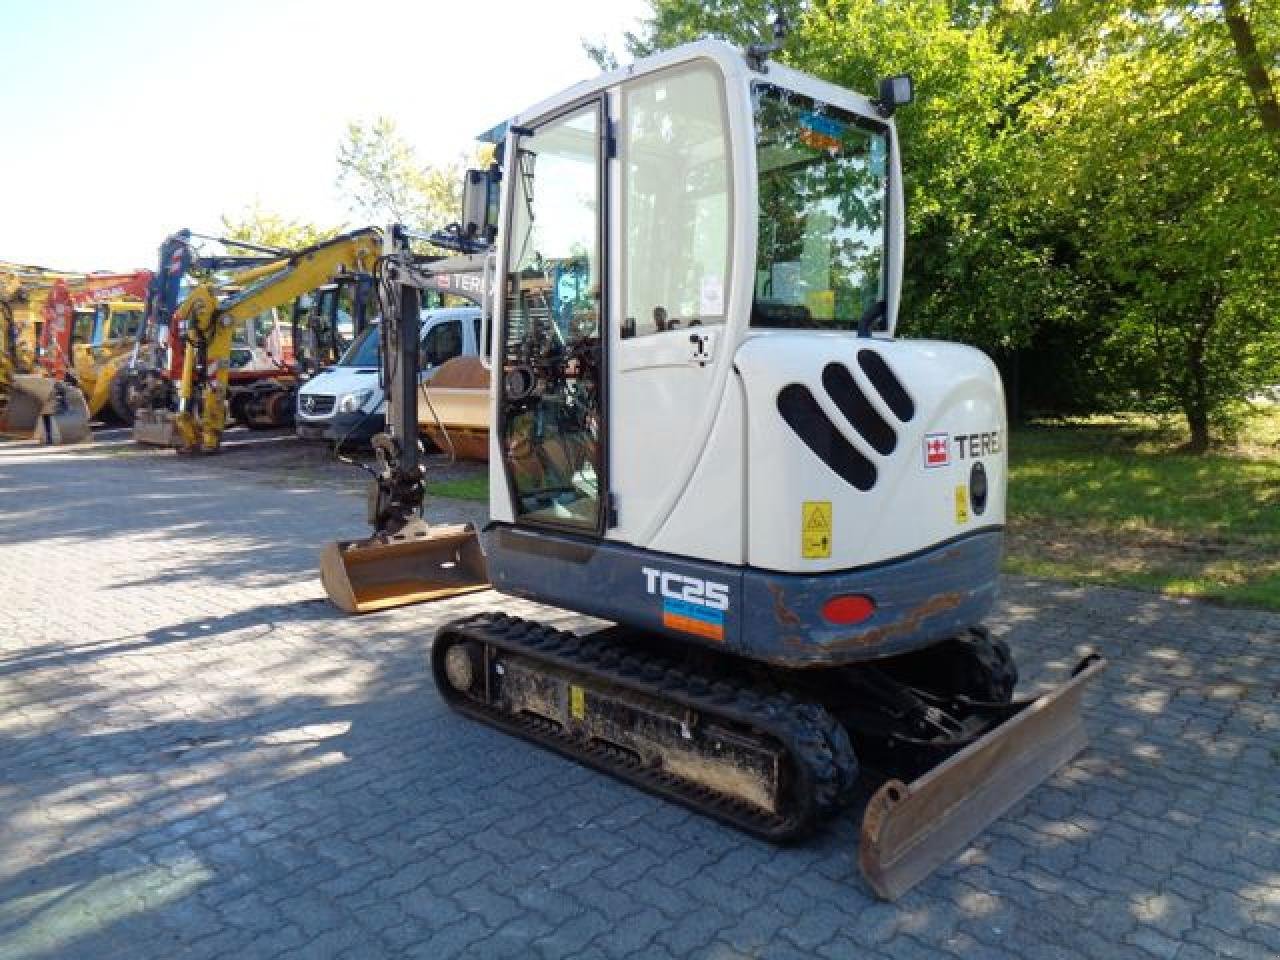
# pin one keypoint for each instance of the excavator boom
(208, 317)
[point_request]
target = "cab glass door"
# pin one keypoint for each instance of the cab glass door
(551, 409)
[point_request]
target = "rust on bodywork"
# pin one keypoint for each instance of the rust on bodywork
(784, 615)
(909, 622)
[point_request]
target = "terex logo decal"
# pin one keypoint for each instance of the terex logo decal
(977, 444)
(937, 449)
(689, 604)
(968, 446)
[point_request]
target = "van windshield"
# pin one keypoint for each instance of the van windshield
(365, 351)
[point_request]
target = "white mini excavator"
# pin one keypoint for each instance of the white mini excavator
(705, 432)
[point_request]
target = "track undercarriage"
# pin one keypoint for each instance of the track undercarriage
(771, 752)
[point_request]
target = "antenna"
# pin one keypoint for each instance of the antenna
(758, 53)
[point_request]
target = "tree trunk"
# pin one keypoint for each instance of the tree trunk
(1198, 422)
(1195, 397)
(1255, 70)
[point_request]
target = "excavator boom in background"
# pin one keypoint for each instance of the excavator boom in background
(705, 431)
(188, 340)
(67, 296)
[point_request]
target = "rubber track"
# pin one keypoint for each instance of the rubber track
(823, 768)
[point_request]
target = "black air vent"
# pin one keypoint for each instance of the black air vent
(805, 417)
(889, 386)
(857, 409)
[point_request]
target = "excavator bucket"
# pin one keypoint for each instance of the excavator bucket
(454, 409)
(422, 563)
(46, 410)
(155, 428)
(909, 829)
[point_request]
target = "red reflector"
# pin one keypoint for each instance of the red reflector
(846, 610)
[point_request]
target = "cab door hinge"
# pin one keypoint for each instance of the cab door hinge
(610, 139)
(611, 511)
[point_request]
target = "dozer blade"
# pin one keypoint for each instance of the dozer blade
(155, 428)
(46, 411)
(911, 829)
(424, 563)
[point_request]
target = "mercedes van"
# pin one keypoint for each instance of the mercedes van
(346, 404)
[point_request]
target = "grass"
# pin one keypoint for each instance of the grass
(1113, 501)
(462, 488)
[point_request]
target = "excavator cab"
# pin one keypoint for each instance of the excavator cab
(326, 321)
(706, 432)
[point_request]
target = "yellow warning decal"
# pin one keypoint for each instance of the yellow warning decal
(962, 504)
(815, 529)
(577, 702)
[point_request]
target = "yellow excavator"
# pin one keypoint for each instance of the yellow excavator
(204, 325)
(34, 403)
(97, 359)
(706, 432)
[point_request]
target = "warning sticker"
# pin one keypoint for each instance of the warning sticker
(577, 702)
(962, 504)
(815, 529)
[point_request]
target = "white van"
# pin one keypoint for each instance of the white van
(346, 405)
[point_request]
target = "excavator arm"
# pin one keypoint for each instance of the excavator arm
(210, 321)
(408, 559)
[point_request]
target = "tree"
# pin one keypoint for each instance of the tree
(1149, 155)
(1254, 66)
(600, 54)
(256, 225)
(384, 181)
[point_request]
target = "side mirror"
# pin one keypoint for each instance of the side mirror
(480, 204)
(895, 92)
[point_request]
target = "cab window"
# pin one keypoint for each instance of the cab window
(675, 201)
(82, 332)
(550, 410)
(442, 342)
(124, 324)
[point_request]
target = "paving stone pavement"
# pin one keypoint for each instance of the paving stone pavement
(199, 758)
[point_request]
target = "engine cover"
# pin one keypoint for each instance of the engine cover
(861, 451)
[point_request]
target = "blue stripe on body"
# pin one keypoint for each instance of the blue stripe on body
(693, 611)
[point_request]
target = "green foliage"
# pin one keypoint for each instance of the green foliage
(256, 225)
(600, 54)
(1150, 163)
(1091, 185)
(383, 180)
(738, 22)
